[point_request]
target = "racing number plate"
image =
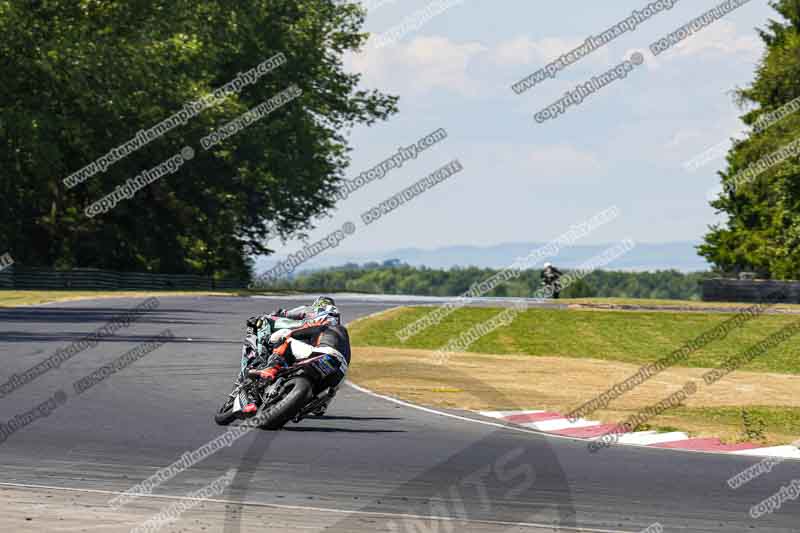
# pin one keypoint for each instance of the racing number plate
(326, 365)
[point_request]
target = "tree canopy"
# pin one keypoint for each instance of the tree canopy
(82, 77)
(392, 277)
(762, 232)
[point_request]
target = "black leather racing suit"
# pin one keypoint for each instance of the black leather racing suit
(551, 276)
(325, 333)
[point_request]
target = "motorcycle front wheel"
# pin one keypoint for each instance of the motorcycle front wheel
(225, 414)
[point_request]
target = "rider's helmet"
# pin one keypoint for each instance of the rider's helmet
(547, 265)
(322, 301)
(325, 307)
(330, 313)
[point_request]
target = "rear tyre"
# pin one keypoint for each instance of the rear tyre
(297, 392)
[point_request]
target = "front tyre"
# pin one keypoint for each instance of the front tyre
(296, 394)
(225, 414)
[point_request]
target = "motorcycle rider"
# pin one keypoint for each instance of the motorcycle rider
(318, 324)
(325, 334)
(257, 327)
(551, 276)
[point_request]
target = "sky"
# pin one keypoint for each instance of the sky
(627, 145)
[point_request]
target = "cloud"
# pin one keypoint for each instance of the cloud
(526, 51)
(420, 65)
(561, 160)
(684, 136)
(721, 38)
(530, 163)
(429, 63)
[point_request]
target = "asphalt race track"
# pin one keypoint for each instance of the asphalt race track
(370, 465)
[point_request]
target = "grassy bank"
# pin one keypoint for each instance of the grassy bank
(558, 359)
(631, 337)
(678, 305)
(12, 298)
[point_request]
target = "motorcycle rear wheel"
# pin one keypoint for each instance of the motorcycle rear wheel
(276, 415)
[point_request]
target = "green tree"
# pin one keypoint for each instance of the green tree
(405, 279)
(762, 232)
(81, 77)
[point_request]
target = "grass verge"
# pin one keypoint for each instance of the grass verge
(556, 360)
(14, 298)
(647, 303)
(630, 337)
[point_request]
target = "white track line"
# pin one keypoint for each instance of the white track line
(787, 451)
(440, 413)
(319, 509)
(630, 439)
(503, 414)
(557, 424)
(652, 438)
(521, 429)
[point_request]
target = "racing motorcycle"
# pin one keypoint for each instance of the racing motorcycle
(298, 390)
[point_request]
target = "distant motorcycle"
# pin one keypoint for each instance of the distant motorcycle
(297, 391)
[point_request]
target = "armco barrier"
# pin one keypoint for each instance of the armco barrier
(22, 278)
(748, 290)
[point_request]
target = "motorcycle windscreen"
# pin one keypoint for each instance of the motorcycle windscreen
(287, 323)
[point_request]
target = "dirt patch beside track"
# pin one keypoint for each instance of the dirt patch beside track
(561, 384)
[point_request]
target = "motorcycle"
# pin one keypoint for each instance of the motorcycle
(297, 391)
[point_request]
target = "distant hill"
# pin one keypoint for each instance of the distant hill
(679, 256)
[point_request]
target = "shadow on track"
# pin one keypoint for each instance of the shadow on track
(97, 315)
(492, 478)
(353, 418)
(342, 430)
(67, 337)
